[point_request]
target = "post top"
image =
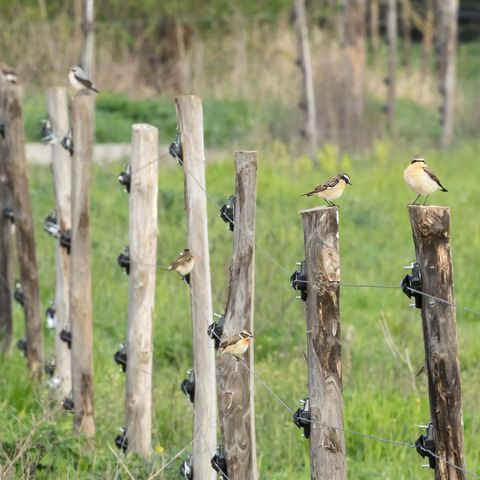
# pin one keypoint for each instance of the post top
(323, 209)
(142, 126)
(426, 208)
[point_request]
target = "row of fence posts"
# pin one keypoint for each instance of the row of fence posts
(318, 279)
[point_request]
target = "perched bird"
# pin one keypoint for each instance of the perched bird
(236, 345)
(331, 190)
(183, 265)
(421, 178)
(8, 73)
(79, 80)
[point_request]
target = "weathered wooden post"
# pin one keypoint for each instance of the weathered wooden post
(392, 61)
(322, 259)
(447, 19)
(190, 120)
(80, 268)
(6, 250)
(16, 169)
(62, 178)
(431, 236)
(235, 385)
(307, 102)
(88, 33)
(141, 295)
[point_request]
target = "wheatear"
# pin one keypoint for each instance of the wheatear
(8, 73)
(236, 345)
(421, 178)
(331, 190)
(183, 265)
(79, 80)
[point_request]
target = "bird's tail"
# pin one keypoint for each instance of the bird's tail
(443, 189)
(95, 89)
(309, 194)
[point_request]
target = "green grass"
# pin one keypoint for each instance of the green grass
(375, 242)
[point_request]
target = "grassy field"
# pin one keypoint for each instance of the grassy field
(380, 396)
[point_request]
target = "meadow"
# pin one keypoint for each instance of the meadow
(382, 395)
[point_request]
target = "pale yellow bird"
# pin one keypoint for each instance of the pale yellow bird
(236, 345)
(331, 190)
(183, 265)
(421, 179)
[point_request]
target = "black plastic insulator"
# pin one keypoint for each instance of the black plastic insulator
(18, 294)
(215, 331)
(66, 336)
(175, 149)
(22, 346)
(68, 404)
(425, 446)
(413, 281)
(186, 468)
(120, 358)
(298, 281)
(188, 386)
(227, 212)
(8, 214)
(219, 463)
(124, 260)
(67, 142)
(66, 240)
(121, 440)
(125, 178)
(49, 368)
(302, 418)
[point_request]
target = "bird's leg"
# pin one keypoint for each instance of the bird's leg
(424, 203)
(415, 202)
(328, 203)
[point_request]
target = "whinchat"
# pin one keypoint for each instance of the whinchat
(236, 345)
(79, 80)
(331, 190)
(183, 265)
(421, 179)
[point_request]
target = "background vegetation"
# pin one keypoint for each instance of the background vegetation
(241, 61)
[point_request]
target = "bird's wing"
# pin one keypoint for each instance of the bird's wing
(324, 186)
(432, 175)
(177, 263)
(83, 80)
(230, 341)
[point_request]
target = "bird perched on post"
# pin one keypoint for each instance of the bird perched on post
(79, 80)
(331, 190)
(236, 345)
(421, 179)
(7, 74)
(183, 265)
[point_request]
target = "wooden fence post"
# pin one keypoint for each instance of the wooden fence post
(16, 168)
(431, 235)
(88, 33)
(6, 248)
(447, 13)
(141, 295)
(235, 385)
(62, 178)
(322, 259)
(307, 102)
(190, 120)
(80, 268)
(392, 61)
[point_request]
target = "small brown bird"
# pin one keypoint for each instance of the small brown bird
(236, 345)
(183, 265)
(331, 190)
(8, 73)
(421, 179)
